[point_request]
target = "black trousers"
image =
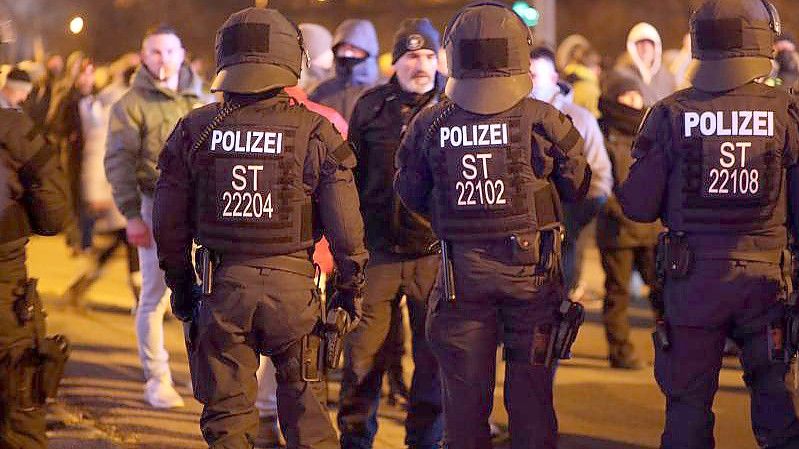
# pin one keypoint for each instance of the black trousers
(22, 421)
(387, 278)
(256, 310)
(495, 303)
(717, 300)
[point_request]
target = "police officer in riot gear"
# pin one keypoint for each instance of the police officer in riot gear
(488, 167)
(718, 164)
(253, 180)
(35, 203)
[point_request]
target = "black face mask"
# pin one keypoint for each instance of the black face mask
(348, 64)
(621, 117)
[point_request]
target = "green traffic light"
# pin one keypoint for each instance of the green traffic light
(529, 14)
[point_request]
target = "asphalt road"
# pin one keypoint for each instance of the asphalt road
(101, 404)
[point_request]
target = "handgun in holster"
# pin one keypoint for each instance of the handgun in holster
(553, 342)
(791, 320)
(206, 262)
(660, 336)
(674, 260)
(336, 324)
(322, 348)
(312, 345)
(791, 332)
(50, 354)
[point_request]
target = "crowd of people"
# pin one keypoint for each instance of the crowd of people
(110, 123)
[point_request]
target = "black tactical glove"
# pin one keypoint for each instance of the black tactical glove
(351, 302)
(184, 299)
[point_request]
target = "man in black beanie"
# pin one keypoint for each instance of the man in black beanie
(400, 241)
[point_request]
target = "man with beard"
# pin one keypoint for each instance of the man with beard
(624, 245)
(399, 241)
(356, 49)
(163, 90)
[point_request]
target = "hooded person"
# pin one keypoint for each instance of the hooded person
(581, 67)
(645, 49)
(318, 43)
(356, 50)
(624, 245)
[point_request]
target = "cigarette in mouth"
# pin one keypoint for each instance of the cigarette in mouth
(162, 74)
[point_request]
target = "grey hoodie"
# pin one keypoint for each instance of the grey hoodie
(139, 125)
(343, 90)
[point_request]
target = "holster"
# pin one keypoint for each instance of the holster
(335, 325)
(553, 341)
(571, 316)
(53, 354)
(19, 365)
(674, 255)
(791, 332)
(791, 320)
(663, 264)
(38, 369)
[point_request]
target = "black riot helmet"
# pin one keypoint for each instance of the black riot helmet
(488, 53)
(733, 41)
(257, 50)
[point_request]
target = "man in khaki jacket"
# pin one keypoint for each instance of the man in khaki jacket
(163, 90)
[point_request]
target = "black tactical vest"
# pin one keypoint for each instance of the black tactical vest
(485, 185)
(248, 178)
(728, 175)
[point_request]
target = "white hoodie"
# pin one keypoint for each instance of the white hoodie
(657, 82)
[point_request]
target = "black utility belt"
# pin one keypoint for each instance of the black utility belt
(676, 259)
(540, 247)
(281, 262)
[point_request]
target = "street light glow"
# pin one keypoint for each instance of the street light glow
(76, 25)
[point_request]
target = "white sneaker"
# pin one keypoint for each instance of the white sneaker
(161, 394)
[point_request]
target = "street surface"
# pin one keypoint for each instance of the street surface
(101, 406)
